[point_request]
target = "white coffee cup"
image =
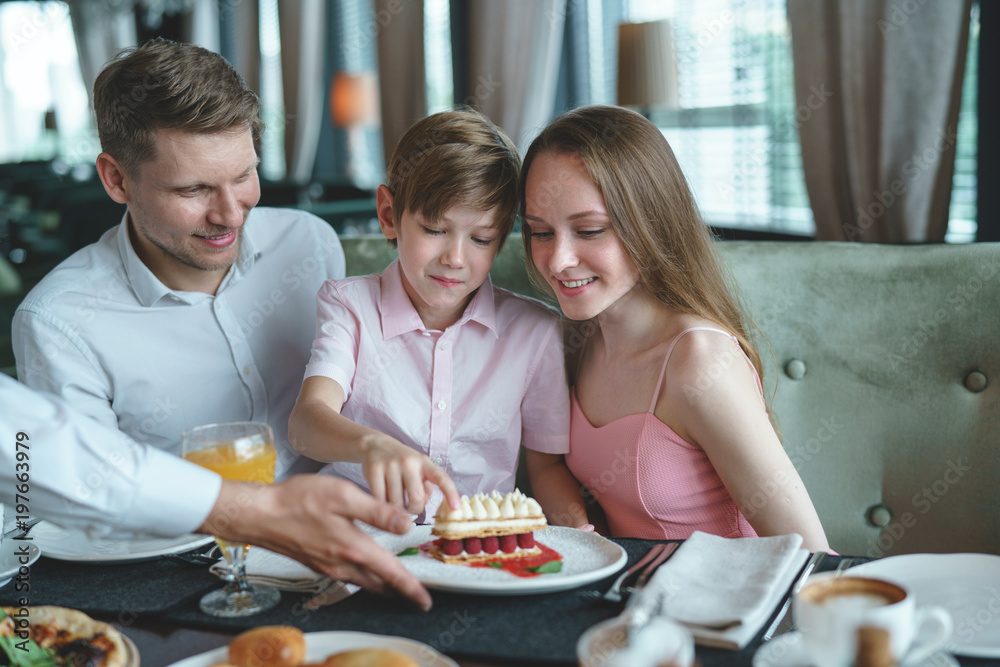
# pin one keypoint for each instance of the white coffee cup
(830, 610)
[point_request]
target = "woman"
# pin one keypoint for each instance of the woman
(670, 430)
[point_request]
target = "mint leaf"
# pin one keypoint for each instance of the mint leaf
(26, 653)
(498, 566)
(411, 551)
(551, 567)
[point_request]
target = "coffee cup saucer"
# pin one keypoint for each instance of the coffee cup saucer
(787, 651)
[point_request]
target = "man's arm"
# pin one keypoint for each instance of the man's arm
(52, 357)
(80, 474)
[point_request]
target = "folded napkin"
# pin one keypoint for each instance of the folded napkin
(722, 589)
(273, 569)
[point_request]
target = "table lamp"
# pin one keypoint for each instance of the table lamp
(354, 105)
(647, 66)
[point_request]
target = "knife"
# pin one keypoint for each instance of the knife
(782, 622)
(331, 592)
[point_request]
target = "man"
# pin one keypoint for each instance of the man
(117, 487)
(197, 308)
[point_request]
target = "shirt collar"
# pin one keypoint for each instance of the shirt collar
(399, 316)
(148, 288)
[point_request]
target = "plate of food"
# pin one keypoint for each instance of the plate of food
(60, 637)
(502, 545)
(287, 646)
(75, 545)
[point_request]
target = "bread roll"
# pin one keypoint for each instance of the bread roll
(268, 646)
(370, 657)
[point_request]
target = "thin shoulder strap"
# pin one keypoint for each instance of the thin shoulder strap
(663, 371)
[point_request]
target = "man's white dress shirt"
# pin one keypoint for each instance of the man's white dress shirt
(104, 333)
(80, 474)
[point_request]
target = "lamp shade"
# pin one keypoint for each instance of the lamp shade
(354, 99)
(647, 65)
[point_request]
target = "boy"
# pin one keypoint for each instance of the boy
(476, 371)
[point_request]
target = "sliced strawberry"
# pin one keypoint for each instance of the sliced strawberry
(451, 547)
(526, 540)
(491, 544)
(508, 543)
(473, 545)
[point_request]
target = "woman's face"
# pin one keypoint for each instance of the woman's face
(573, 243)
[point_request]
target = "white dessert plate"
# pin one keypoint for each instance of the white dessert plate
(11, 553)
(320, 645)
(967, 585)
(787, 651)
(587, 557)
(74, 545)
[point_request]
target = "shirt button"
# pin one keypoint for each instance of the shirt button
(445, 345)
(442, 405)
(246, 370)
(218, 305)
(425, 333)
(438, 460)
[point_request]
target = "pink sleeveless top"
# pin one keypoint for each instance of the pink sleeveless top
(651, 482)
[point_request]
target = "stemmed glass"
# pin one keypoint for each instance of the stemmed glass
(241, 452)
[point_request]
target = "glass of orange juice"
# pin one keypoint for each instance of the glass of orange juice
(241, 452)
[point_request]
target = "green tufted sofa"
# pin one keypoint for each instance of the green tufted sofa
(885, 378)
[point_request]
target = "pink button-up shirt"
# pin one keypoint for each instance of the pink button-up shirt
(467, 396)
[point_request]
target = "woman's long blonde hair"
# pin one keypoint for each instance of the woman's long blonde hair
(652, 211)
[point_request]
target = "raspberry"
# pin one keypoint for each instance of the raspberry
(473, 545)
(451, 547)
(526, 540)
(508, 543)
(491, 544)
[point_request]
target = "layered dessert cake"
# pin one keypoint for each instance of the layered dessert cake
(488, 527)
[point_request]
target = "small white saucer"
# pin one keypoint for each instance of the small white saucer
(786, 651)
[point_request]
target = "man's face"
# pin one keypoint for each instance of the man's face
(188, 206)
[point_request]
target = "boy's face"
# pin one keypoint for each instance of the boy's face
(443, 261)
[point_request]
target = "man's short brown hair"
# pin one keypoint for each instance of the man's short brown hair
(456, 158)
(166, 85)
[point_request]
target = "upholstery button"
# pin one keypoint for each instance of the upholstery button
(879, 516)
(975, 382)
(795, 369)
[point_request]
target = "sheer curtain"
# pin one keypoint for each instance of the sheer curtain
(515, 48)
(101, 30)
(399, 25)
(303, 40)
(878, 86)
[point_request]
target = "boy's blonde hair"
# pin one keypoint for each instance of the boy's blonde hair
(455, 158)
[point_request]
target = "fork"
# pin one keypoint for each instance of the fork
(614, 594)
(205, 557)
(651, 568)
(844, 564)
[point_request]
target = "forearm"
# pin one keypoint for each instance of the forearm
(555, 489)
(789, 511)
(323, 434)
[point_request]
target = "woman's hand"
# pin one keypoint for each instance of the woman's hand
(402, 476)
